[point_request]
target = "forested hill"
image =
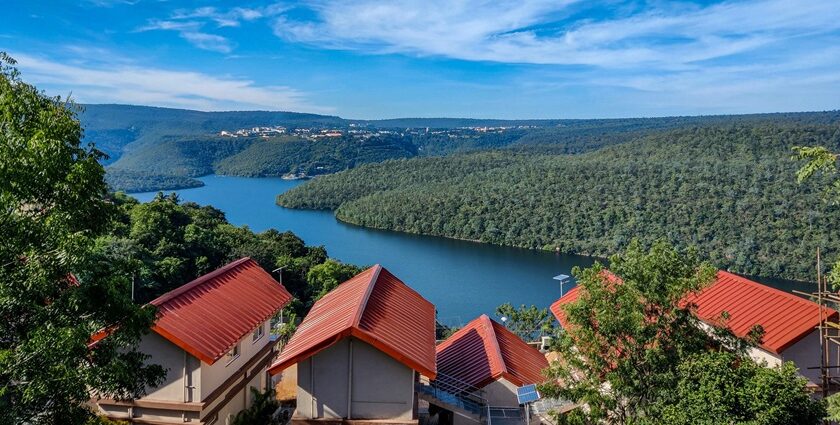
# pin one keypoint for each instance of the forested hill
(728, 189)
(159, 148)
(116, 127)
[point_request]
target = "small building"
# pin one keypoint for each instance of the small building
(360, 350)
(487, 356)
(789, 322)
(212, 338)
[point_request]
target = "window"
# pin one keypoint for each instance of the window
(258, 333)
(233, 353)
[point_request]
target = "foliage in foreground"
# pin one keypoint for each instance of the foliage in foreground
(56, 288)
(166, 243)
(261, 411)
(72, 257)
(633, 353)
(822, 162)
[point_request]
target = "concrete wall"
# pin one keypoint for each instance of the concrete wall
(234, 406)
(203, 377)
(212, 376)
(761, 355)
(806, 353)
(175, 361)
(501, 393)
(352, 379)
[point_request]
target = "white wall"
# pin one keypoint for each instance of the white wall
(382, 388)
(760, 355)
(806, 353)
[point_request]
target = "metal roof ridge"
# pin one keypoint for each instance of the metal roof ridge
(197, 282)
(357, 316)
(493, 341)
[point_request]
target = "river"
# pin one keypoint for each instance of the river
(463, 279)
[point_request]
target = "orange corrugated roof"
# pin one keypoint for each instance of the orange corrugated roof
(786, 318)
(375, 307)
(207, 316)
(484, 351)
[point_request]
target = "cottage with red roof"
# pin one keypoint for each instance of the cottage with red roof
(789, 322)
(360, 350)
(485, 356)
(212, 337)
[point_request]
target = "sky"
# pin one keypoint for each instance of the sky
(370, 59)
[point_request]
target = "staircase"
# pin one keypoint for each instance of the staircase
(455, 395)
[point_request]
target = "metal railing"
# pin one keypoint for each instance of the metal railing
(456, 392)
(505, 415)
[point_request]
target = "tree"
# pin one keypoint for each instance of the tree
(56, 289)
(630, 338)
(261, 411)
(325, 277)
(718, 387)
(821, 162)
(529, 323)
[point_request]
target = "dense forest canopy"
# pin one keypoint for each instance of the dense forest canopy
(169, 243)
(156, 148)
(729, 189)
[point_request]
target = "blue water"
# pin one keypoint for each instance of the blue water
(463, 279)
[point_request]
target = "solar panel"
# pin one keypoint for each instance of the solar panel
(561, 277)
(527, 394)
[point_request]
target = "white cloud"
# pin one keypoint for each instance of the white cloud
(190, 24)
(122, 83)
(510, 31)
(111, 3)
(168, 25)
(206, 41)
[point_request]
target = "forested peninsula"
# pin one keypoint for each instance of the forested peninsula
(729, 189)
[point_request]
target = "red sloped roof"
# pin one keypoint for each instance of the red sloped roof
(786, 318)
(557, 306)
(484, 351)
(375, 307)
(207, 316)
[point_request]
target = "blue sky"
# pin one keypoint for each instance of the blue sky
(456, 58)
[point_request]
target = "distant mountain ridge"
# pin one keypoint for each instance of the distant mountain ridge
(116, 128)
(151, 148)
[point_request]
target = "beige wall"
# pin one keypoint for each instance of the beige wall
(174, 360)
(204, 377)
(501, 393)
(214, 375)
(377, 386)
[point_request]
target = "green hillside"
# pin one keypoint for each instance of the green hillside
(119, 128)
(729, 189)
(131, 181)
(275, 157)
(159, 148)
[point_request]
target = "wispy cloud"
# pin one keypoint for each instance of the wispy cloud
(206, 41)
(111, 3)
(125, 83)
(529, 31)
(191, 24)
